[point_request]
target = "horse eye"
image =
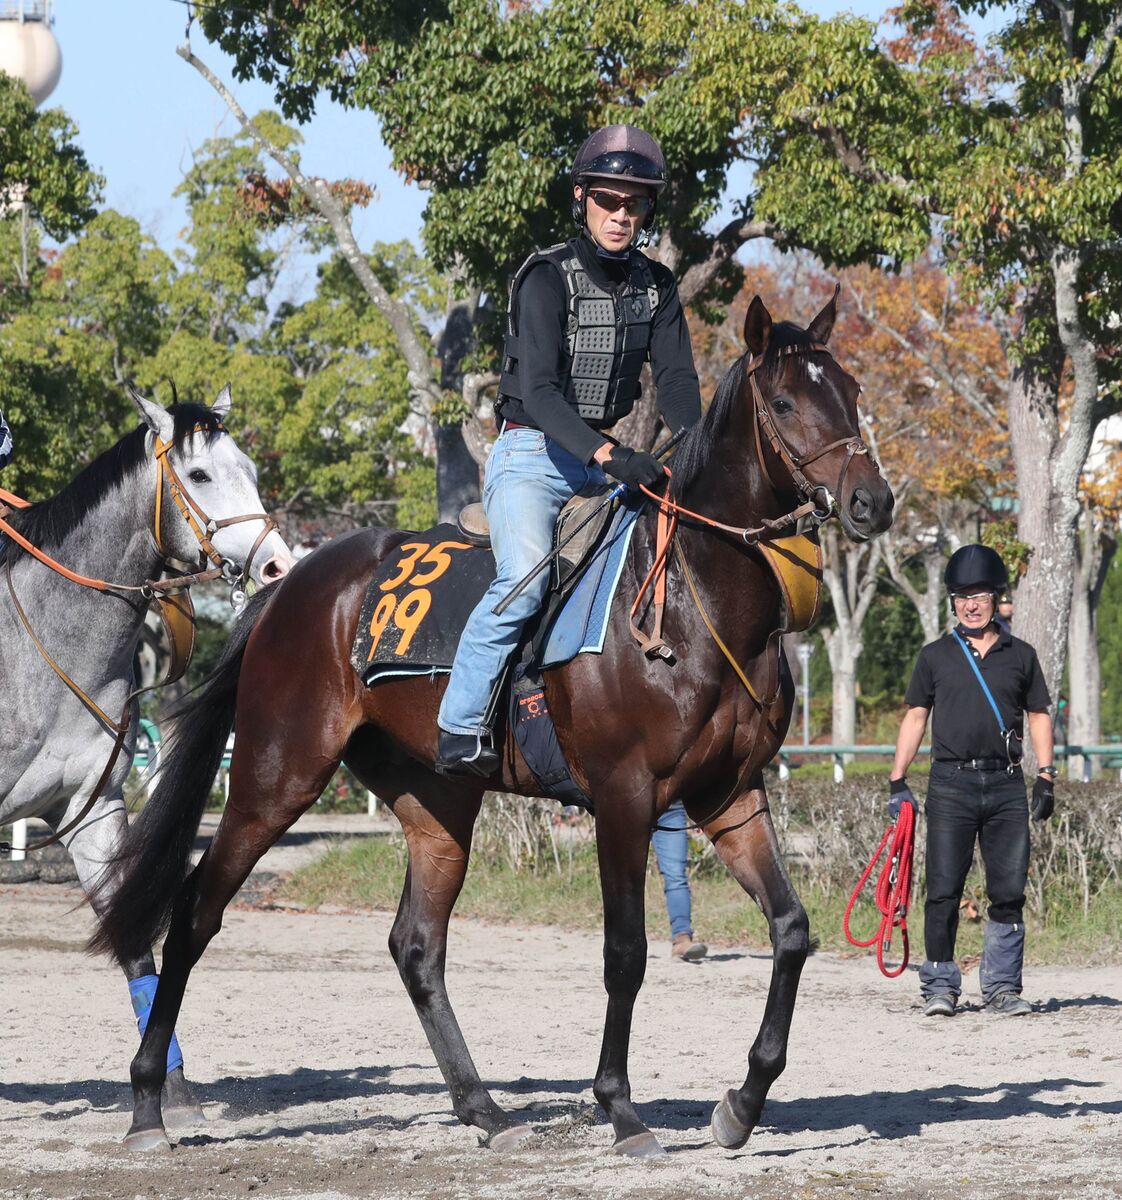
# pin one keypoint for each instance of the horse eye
(781, 404)
(197, 476)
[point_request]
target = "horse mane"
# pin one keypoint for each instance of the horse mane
(47, 523)
(692, 456)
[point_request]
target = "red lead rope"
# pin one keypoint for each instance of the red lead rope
(894, 888)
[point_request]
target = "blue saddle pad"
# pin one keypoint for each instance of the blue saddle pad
(422, 594)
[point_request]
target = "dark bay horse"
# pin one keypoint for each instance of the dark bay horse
(638, 733)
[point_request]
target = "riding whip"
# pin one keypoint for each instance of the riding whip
(614, 494)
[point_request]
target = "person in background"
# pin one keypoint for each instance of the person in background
(5, 443)
(1003, 619)
(671, 847)
(976, 791)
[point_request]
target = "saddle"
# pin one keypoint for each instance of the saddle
(577, 533)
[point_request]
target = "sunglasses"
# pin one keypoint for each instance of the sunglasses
(610, 202)
(962, 597)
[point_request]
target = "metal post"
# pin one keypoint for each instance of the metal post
(839, 768)
(19, 840)
(784, 768)
(805, 651)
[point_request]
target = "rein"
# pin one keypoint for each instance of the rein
(893, 890)
(174, 602)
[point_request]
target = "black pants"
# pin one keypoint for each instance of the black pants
(963, 805)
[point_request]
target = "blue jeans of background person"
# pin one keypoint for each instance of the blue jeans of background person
(671, 847)
(964, 805)
(527, 482)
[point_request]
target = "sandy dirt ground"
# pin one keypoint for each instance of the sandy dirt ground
(317, 1081)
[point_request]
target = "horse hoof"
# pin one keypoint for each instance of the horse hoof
(147, 1140)
(728, 1130)
(510, 1139)
(187, 1116)
(639, 1145)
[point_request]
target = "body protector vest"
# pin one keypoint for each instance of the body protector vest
(608, 335)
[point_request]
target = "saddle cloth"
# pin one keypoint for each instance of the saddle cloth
(421, 596)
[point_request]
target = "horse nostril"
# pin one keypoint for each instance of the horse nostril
(860, 506)
(273, 570)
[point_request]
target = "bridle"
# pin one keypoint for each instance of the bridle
(171, 596)
(817, 505)
(202, 526)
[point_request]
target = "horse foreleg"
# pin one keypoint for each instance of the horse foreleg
(91, 846)
(744, 837)
(437, 818)
(622, 854)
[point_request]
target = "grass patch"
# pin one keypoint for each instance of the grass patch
(369, 874)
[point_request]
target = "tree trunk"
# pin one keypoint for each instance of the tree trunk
(850, 574)
(1049, 509)
(1095, 551)
(457, 473)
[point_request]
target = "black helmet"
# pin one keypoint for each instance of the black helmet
(619, 152)
(975, 566)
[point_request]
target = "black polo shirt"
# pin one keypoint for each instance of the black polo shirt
(962, 723)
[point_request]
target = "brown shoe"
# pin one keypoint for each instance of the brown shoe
(685, 949)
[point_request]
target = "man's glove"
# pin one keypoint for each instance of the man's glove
(634, 467)
(1043, 798)
(899, 794)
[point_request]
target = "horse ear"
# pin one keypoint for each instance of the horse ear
(822, 326)
(158, 419)
(222, 405)
(757, 327)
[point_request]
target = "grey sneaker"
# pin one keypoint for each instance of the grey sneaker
(942, 1004)
(1009, 1004)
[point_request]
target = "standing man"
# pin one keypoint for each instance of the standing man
(584, 317)
(1004, 618)
(976, 788)
(672, 851)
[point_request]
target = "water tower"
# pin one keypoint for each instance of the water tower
(29, 51)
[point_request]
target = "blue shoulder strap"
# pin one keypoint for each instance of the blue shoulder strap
(981, 682)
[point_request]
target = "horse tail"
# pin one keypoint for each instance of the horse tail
(135, 897)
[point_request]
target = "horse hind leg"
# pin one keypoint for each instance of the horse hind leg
(745, 839)
(254, 818)
(437, 817)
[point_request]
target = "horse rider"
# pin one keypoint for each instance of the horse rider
(5, 443)
(583, 318)
(980, 682)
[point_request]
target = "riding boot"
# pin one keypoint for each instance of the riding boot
(465, 755)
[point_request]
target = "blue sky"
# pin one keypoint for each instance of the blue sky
(142, 111)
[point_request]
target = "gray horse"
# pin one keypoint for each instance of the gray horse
(122, 520)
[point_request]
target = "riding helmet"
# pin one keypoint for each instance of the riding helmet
(975, 566)
(619, 152)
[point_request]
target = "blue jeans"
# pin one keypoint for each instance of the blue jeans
(671, 847)
(528, 480)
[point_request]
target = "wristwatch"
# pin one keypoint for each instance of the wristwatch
(1048, 770)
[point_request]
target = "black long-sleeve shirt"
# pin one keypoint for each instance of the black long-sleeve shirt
(540, 316)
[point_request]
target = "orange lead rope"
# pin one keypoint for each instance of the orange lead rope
(894, 888)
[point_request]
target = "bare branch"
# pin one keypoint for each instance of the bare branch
(417, 355)
(698, 277)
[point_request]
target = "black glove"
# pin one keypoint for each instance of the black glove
(1043, 798)
(899, 794)
(634, 467)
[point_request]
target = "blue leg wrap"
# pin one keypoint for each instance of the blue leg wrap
(143, 992)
